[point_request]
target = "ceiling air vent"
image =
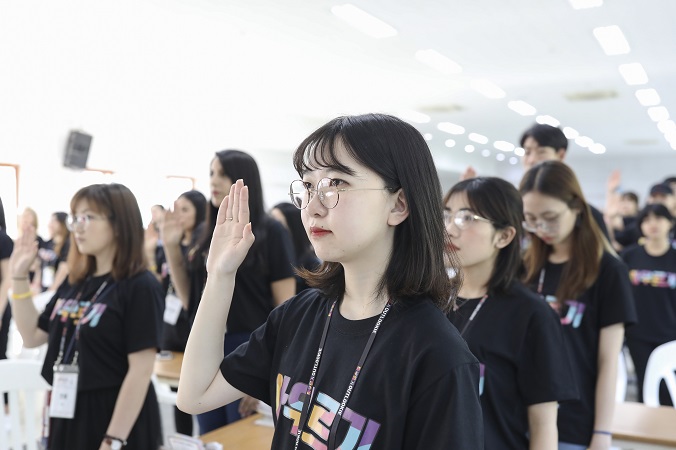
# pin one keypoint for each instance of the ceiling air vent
(589, 96)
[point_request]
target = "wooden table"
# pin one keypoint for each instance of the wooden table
(242, 435)
(638, 423)
(169, 370)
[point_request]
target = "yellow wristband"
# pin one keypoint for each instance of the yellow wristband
(27, 294)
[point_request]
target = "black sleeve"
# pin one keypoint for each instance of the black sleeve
(543, 374)
(448, 413)
(616, 298)
(143, 310)
(45, 316)
(6, 247)
(249, 367)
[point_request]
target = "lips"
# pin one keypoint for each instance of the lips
(318, 232)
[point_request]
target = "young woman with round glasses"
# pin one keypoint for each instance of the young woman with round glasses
(513, 333)
(102, 327)
(367, 359)
(572, 266)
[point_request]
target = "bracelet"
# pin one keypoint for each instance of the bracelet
(607, 433)
(27, 294)
(19, 278)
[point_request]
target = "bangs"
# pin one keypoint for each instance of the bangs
(95, 197)
(319, 150)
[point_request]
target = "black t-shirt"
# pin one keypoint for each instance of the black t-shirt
(607, 302)
(524, 361)
(653, 280)
(418, 388)
(6, 248)
(252, 299)
(125, 318)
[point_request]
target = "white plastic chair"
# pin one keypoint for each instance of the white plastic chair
(621, 387)
(661, 366)
(21, 379)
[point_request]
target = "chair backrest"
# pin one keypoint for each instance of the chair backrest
(661, 366)
(21, 379)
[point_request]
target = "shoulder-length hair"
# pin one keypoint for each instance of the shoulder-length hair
(498, 201)
(237, 164)
(555, 179)
(117, 203)
(399, 155)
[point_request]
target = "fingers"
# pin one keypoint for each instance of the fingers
(222, 211)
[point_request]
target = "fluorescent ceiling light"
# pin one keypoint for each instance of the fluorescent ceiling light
(438, 61)
(584, 4)
(363, 21)
(597, 148)
(414, 116)
(487, 88)
(450, 128)
(612, 40)
(571, 133)
(469, 148)
(449, 143)
(500, 156)
(658, 113)
(478, 138)
(504, 146)
(667, 126)
(519, 151)
(547, 120)
(428, 136)
(522, 108)
(648, 97)
(584, 141)
(633, 74)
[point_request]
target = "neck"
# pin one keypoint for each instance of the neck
(560, 252)
(187, 237)
(104, 264)
(657, 247)
(360, 300)
(475, 280)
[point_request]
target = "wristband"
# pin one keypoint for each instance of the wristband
(27, 294)
(20, 278)
(607, 433)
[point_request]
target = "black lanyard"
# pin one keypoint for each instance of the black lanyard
(63, 355)
(477, 308)
(310, 387)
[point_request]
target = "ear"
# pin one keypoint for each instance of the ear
(399, 211)
(504, 236)
(561, 153)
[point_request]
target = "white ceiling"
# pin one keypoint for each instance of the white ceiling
(168, 82)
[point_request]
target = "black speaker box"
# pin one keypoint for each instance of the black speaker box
(77, 150)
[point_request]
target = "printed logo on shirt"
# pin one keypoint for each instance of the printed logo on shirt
(289, 404)
(654, 278)
(74, 310)
(574, 311)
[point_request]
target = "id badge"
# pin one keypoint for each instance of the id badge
(64, 391)
(172, 309)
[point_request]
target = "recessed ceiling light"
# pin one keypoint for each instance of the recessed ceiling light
(487, 88)
(485, 153)
(513, 160)
(597, 148)
(500, 156)
(428, 136)
(413, 116)
(438, 61)
(478, 138)
(469, 148)
(363, 21)
(521, 107)
(648, 97)
(519, 151)
(584, 141)
(633, 74)
(658, 113)
(571, 133)
(449, 143)
(504, 146)
(584, 4)
(612, 40)
(547, 120)
(451, 128)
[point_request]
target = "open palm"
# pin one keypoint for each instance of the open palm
(24, 253)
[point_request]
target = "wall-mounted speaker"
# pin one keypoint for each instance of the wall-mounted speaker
(77, 150)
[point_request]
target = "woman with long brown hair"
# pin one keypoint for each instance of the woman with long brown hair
(572, 266)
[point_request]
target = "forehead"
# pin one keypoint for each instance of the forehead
(83, 205)
(537, 203)
(458, 201)
(216, 165)
(333, 160)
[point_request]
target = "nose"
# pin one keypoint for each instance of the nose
(315, 207)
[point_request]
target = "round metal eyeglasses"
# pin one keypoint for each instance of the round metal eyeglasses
(327, 191)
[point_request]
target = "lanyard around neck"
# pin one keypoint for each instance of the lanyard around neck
(477, 308)
(541, 281)
(353, 381)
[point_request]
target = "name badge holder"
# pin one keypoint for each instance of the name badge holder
(172, 307)
(63, 397)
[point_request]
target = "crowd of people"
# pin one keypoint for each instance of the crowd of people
(370, 311)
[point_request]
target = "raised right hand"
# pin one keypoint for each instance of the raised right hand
(24, 253)
(171, 230)
(232, 236)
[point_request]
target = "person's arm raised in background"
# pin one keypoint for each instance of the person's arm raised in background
(172, 232)
(201, 385)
